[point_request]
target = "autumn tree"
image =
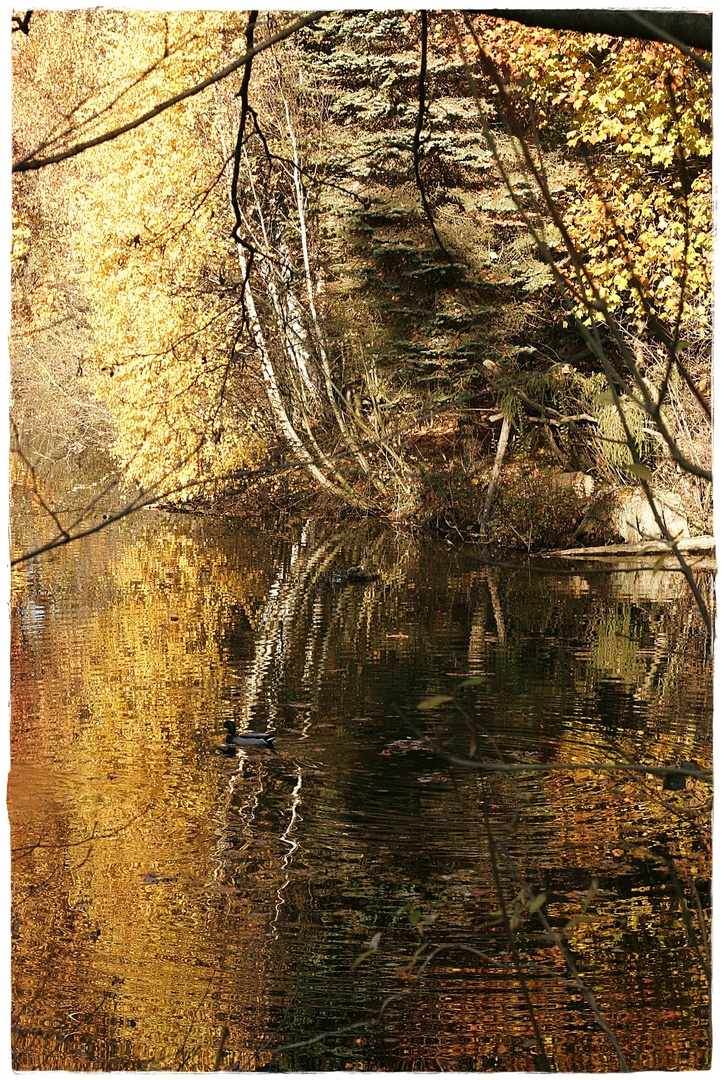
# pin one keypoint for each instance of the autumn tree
(632, 254)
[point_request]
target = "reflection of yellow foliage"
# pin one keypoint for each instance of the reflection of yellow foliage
(146, 668)
(615, 651)
(170, 625)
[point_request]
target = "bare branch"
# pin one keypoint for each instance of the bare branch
(417, 135)
(22, 24)
(687, 30)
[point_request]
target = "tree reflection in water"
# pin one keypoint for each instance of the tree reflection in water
(355, 900)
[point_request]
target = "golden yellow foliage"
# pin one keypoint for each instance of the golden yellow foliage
(640, 212)
(147, 225)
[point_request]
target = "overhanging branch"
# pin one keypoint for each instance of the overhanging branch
(693, 29)
(31, 163)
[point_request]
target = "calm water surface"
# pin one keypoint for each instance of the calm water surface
(334, 905)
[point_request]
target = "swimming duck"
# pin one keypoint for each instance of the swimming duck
(358, 574)
(248, 738)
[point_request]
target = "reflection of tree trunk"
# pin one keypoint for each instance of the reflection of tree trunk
(496, 606)
(496, 470)
(290, 625)
(477, 634)
(281, 621)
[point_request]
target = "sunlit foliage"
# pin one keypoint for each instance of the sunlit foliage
(142, 216)
(640, 112)
(366, 282)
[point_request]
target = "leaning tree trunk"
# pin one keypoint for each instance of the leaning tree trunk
(332, 391)
(338, 486)
(496, 470)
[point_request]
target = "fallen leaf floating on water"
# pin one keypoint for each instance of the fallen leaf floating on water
(404, 745)
(371, 948)
(433, 702)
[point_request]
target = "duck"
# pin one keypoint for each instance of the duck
(359, 574)
(248, 738)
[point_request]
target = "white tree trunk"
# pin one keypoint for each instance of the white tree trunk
(278, 408)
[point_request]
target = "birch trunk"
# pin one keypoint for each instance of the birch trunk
(332, 390)
(340, 488)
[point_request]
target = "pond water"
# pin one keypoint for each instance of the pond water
(337, 904)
